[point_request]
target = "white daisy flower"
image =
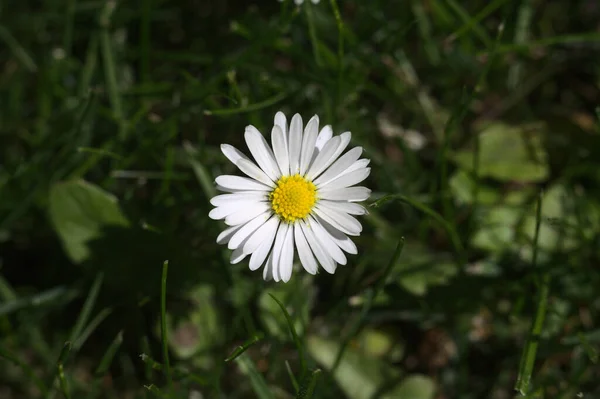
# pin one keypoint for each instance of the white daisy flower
(299, 198)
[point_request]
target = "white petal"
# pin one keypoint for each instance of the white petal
(231, 190)
(324, 259)
(237, 256)
(324, 135)
(240, 183)
(247, 213)
(262, 234)
(226, 234)
(232, 153)
(294, 146)
(277, 250)
(322, 160)
(347, 179)
(286, 262)
(348, 207)
(261, 152)
(280, 149)
(225, 199)
(253, 171)
(327, 243)
(249, 228)
(308, 143)
(225, 210)
(361, 163)
(351, 194)
(341, 239)
(304, 253)
(245, 164)
(340, 220)
(259, 256)
(281, 121)
(324, 163)
(339, 166)
(268, 270)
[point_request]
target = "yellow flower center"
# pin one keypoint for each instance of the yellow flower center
(293, 198)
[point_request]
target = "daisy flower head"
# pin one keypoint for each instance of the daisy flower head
(299, 198)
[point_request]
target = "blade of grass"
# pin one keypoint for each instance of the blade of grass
(257, 381)
(340, 28)
(18, 51)
(431, 213)
(549, 41)
(242, 348)
(110, 70)
(295, 336)
(468, 20)
(486, 11)
(543, 282)
(68, 32)
(308, 385)
(288, 368)
(481, 81)
(156, 391)
(64, 386)
(104, 364)
(521, 36)
(89, 67)
(58, 294)
(163, 323)
(86, 310)
(178, 374)
(424, 25)
(204, 178)
(312, 32)
(145, 46)
(248, 108)
(85, 334)
(59, 371)
(370, 296)
(27, 369)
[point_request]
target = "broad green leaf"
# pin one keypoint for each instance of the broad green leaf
(497, 228)
(78, 211)
(415, 387)
(358, 375)
(361, 376)
(463, 187)
(560, 228)
(419, 269)
(508, 153)
(380, 344)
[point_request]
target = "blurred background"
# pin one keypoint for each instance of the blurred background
(479, 118)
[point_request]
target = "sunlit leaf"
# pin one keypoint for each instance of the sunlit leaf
(78, 211)
(508, 153)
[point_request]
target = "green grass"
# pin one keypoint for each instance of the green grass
(469, 283)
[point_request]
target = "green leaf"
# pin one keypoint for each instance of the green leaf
(497, 229)
(362, 376)
(508, 153)
(358, 375)
(79, 210)
(463, 187)
(421, 269)
(415, 387)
